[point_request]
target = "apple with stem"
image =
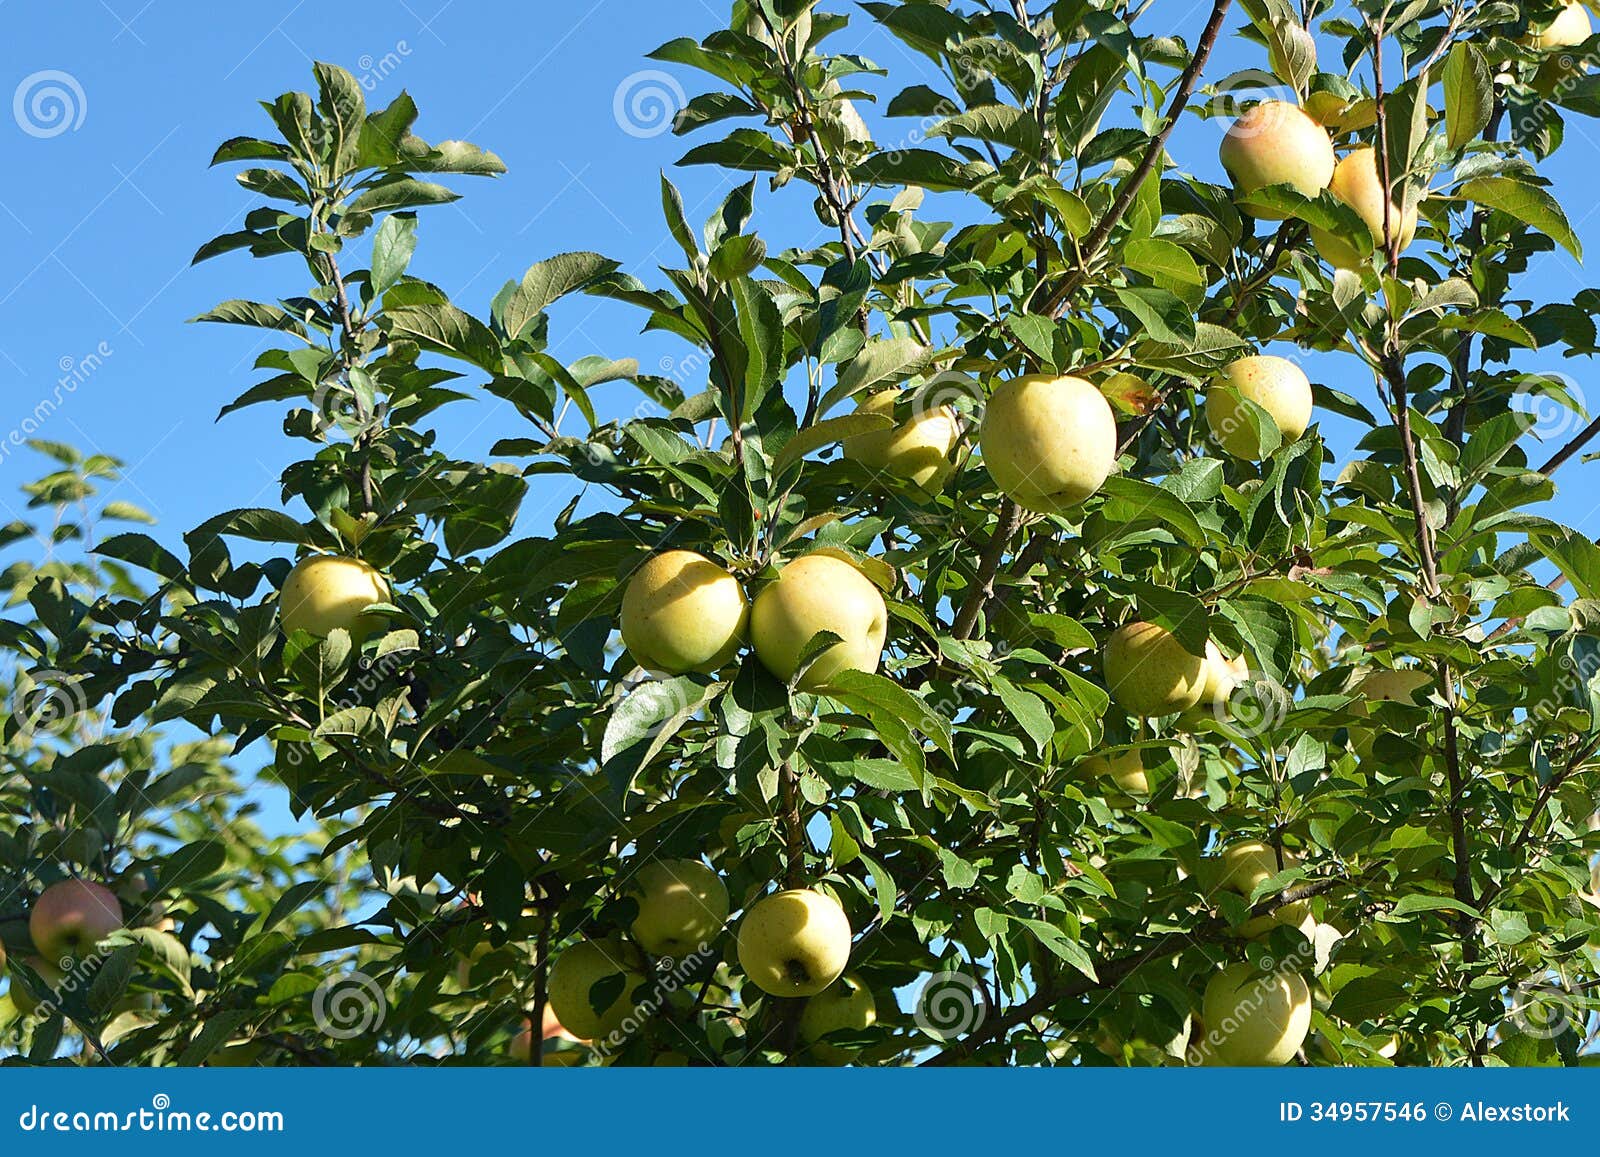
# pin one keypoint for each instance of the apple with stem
(1049, 442)
(1276, 384)
(917, 450)
(1253, 1019)
(1358, 183)
(683, 613)
(794, 943)
(575, 977)
(325, 592)
(1276, 143)
(846, 1004)
(819, 592)
(71, 916)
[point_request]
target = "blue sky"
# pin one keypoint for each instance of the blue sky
(98, 234)
(100, 218)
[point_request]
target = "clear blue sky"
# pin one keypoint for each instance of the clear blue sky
(99, 220)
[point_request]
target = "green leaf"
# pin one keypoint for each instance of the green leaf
(548, 280)
(1528, 204)
(1468, 94)
(824, 432)
(392, 246)
(446, 330)
(1164, 315)
(644, 723)
(879, 361)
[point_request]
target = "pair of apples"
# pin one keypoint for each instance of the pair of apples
(69, 918)
(794, 943)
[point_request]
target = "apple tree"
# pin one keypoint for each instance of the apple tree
(975, 653)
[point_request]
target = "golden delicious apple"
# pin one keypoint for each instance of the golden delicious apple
(325, 591)
(1277, 385)
(1049, 442)
(681, 612)
(917, 450)
(845, 1004)
(1275, 143)
(1569, 28)
(71, 916)
(1358, 184)
(682, 906)
(575, 974)
(1244, 867)
(794, 943)
(1125, 770)
(819, 592)
(1149, 673)
(1251, 1019)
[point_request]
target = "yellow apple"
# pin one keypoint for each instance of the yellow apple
(1384, 685)
(845, 1004)
(1253, 1019)
(681, 612)
(1149, 673)
(1222, 677)
(326, 591)
(1125, 770)
(1358, 184)
(1275, 143)
(682, 906)
(917, 450)
(819, 592)
(794, 943)
(71, 916)
(1049, 442)
(1277, 385)
(1570, 28)
(574, 976)
(1244, 867)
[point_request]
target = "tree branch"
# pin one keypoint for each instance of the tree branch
(1152, 154)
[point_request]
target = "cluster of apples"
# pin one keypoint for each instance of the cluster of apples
(794, 943)
(69, 918)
